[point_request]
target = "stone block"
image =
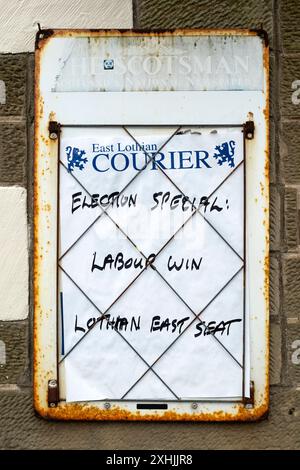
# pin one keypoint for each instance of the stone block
(291, 284)
(289, 152)
(13, 153)
(293, 353)
(290, 87)
(275, 218)
(13, 351)
(289, 25)
(13, 254)
(13, 73)
(169, 14)
(275, 354)
(291, 218)
(274, 286)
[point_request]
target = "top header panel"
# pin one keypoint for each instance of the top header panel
(104, 62)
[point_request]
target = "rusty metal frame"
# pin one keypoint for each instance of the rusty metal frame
(42, 343)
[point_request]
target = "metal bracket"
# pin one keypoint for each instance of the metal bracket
(249, 130)
(249, 402)
(54, 130)
(53, 395)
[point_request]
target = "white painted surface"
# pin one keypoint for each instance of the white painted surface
(19, 18)
(190, 108)
(13, 254)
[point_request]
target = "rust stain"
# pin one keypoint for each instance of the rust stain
(47, 207)
(37, 308)
(266, 113)
(52, 117)
(41, 109)
(45, 140)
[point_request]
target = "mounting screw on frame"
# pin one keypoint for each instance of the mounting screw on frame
(52, 383)
(53, 395)
(54, 130)
(194, 405)
(107, 405)
(249, 130)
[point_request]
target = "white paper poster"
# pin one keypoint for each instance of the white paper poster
(151, 268)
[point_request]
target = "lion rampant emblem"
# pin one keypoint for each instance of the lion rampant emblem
(225, 153)
(75, 158)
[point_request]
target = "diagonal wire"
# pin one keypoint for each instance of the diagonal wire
(183, 331)
(120, 228)
(150, 367)
(191, 310)
(113, 326)
(178, 189)
(103, 212)
(103, 314)
(124, 188)
(196, 211)
(152, 265)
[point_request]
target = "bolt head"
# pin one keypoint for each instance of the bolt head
(107, 405)
(53, 136)
(52, 383)
(52, 405)
(194, 405)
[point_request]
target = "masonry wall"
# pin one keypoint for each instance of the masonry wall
(19, 426)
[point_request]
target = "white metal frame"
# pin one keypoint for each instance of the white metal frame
(123, 108)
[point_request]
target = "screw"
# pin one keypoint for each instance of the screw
(52, 383)
(249, 135)
(53, 136)
(194, 405)
(249, 406)
(107, 405)
(52, 405)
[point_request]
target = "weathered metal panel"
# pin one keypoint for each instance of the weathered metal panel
(57, 98)
(176, 63)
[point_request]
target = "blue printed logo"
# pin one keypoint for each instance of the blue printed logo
(75, 158)
(225, 153)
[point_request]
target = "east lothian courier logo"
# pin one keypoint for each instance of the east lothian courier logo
(140, 157)
(225, 153)
(75, 158)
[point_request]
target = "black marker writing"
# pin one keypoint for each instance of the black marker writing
(184, 203)
(109, 322)
(159, 325)
(213, 327)
(186, 264)
(118, 262)
(95, 200)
